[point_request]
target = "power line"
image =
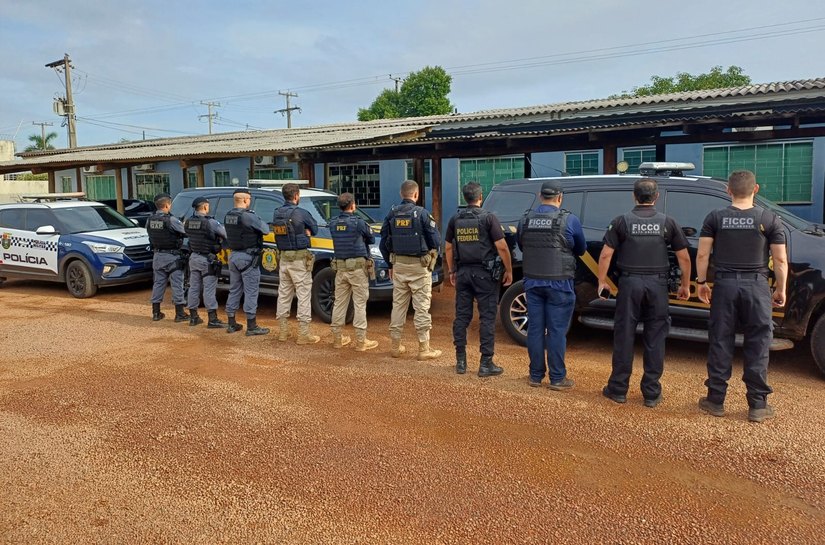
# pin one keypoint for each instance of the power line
(210, 116)
(133, 126)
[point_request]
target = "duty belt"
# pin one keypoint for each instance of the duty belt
(174, 252)
(408, 259)
(659, 274)
(350, 263)
(741, 275)
(293, 255)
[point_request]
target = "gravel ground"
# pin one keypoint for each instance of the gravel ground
(120, 430)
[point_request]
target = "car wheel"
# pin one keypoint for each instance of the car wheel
(323, 296)
(513, 312)
(79, 280)
(818, 343)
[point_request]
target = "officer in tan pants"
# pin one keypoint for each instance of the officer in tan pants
(351, 238)
(409, 243)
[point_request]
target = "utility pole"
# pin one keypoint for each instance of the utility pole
(43, 125)
(397, 81)
(210, 116)
(66, 63)
(288, 109)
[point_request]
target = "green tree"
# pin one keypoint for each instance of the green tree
(38, 143)
(682, 81)
(422, 93)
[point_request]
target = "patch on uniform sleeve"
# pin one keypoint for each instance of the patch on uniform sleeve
(432, 223)
(609, 227)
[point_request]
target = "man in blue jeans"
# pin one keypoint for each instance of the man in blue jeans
(550, 238)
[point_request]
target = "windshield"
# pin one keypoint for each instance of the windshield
(509, 206)
(794, 221)
(83, 219)
(325, 208)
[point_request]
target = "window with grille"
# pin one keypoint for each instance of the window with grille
(784, 171)
(100, 188)
(66, 184)
(273, 174)
(362, 180)
(221, 178)
(149, 185)
(428, 177)
(489, 172)
(581, 163)
(635, 157)
(191, 179)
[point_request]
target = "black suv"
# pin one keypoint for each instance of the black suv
(596, 200)
(323, 205)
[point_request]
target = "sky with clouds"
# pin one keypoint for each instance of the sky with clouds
(146, 66)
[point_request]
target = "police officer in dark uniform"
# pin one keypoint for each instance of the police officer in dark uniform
(244, 236)
(166, 236)
(742, 237)
(205, 236)
(474, 239)
(641, 238)
(410, 243)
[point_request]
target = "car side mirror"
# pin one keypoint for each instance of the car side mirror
(689, 231)
(46, 230)
(133, 220)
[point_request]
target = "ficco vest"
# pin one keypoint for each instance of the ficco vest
(161, 236)
(202, 239)
(546, 253)
(289, 231)
(238, 235)
(407, 230)
(644, 249)
(740, 243)
(346, 240)
(472, 240)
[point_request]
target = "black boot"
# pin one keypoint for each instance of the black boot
(156, 313)
(252, 328)
(487, 368)
(194, 319)
(214, 322)
(180, 313)
(461, 363)
(233, 326)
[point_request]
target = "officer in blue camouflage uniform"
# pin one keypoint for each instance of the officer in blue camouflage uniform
(205, 236)
(166, 234)
(244, 236)
(351, 238)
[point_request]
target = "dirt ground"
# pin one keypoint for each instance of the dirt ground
(116, 429)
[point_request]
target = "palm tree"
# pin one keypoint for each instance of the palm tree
(38, 143)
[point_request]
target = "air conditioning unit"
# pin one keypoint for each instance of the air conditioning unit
(91, 169)
(264, 160)
(147, 166)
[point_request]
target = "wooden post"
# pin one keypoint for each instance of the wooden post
(52, 182)
(251, 167)
(119, 189)
(201, 177)
(78, 179)
(435, 172)
(130, 183)
(528, 165)
(418, 176)
(185, 173)
(661, 152)
(609, 159)
(306, 170)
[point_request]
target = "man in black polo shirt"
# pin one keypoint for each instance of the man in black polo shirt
(641, 238)
(741, 237)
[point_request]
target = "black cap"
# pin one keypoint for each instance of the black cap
(244, 190)
(160, 196)
(551, 188)
(199, 201)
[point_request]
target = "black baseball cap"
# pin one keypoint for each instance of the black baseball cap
(160, 196)
(199, 201)
(551, 188)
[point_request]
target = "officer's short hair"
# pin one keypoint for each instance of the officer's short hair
(471, 192)
(645, 190)
(345, 200)
(290, 191)
(408, 188)
(162, 200)
(741, 183)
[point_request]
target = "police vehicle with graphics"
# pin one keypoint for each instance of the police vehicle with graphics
(323, 206)
(60, 237)
(596, 200)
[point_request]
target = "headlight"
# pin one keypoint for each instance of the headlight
(101, 248)
(375, 252)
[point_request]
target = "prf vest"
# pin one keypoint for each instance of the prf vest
(546, 253)
(289, 233)
(472, 240)
(161, 236)
(740, 243)
(407, 230)
(238, 235)
(202, 239)
(346, 240)
(644, 249)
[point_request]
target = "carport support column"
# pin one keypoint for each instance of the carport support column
(418, 176)
(78, 179)
(52, 184)
(609, 159)
(661, 152)
(306, 170)
(201, 177)
(130, 184)
(528, 165)
(436, 189)
(119, 189)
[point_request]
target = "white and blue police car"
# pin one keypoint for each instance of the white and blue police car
(58, 237)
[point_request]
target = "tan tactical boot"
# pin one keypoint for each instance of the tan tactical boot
(283, 332)
(425, 352)
(362, 343)
(397, 349)
(339, 340)
(304, 335)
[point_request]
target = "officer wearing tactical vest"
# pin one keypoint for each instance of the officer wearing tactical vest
(244, 236)
(166, 236)
(550, 238)
(351, 239)
(742, 237)
(641, 239)
(205, 236)
(293, 226)
(409, 243)
(473, 241)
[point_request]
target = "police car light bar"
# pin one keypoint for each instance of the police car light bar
(664, 169)
(275, 183)
(54, 196)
